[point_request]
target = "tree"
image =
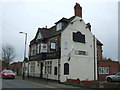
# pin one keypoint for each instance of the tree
(8, 54)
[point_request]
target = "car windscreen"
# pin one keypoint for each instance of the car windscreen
(117, 74)
(8, 71)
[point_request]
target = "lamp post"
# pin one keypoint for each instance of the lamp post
(24, 54)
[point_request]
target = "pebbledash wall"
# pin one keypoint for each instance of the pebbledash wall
(83, 67)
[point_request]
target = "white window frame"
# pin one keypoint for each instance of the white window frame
(32, 67)
(38, 48)
(48, 67)
(53, 45)
(103, 70)
(59, 26)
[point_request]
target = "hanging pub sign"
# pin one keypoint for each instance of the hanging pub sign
(43, 48)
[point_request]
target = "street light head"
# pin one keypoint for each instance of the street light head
(23, 33)
(20, 32)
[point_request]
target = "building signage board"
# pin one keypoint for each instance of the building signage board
(80, 52)
(43, 48)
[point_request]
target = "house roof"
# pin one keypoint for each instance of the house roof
(99, 43)
(50, 32)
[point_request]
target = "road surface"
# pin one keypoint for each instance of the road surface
(20, 83)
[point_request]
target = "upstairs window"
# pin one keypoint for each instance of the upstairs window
(78, 37)
(53, 45)
(33, 50)
(59, 26)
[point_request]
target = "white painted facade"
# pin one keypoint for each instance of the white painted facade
(83, 67)
(36, 65)
(80, 66)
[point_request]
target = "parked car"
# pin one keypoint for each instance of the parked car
(115, 77)
(7, 74)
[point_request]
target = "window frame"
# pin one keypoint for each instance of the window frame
(59, 26)
(103, 70)
(55, 70)
(79, 37)
(66, 69)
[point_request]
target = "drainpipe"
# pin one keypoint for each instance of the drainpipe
(28, 69)
(59, 70)
(94, 57)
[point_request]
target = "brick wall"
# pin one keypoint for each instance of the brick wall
(99, 52)
(113, 66)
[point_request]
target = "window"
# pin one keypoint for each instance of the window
(55, 70)
(38, 48)
(103, 70)
(78, 37)
(33, 50)
(48, 67)
(32, 67)
(53, 45)
(66, 69)
(117, 74)
(59, 26)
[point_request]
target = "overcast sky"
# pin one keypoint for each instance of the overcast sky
(29, 16)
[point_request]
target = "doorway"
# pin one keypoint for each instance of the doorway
(41, 74)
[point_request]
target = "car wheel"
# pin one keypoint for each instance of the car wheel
(109, 79)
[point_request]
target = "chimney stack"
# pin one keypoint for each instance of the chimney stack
(78, 10)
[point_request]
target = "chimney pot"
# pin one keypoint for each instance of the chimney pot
(78, 10)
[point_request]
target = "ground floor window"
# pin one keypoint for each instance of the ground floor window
(103, 70)
(66, 69)
(32, 66)
(48, 67)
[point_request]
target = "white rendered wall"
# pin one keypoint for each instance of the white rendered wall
(45, 75)
(80, 66)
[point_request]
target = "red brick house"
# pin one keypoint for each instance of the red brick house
(4, 65)
(17, 67)
(105, 67)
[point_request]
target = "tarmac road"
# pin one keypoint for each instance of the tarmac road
(20, 83)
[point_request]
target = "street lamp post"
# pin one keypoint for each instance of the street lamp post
(24, 54)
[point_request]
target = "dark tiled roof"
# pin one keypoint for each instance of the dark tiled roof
(99, 43)
(63, 20)
(50, 32)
